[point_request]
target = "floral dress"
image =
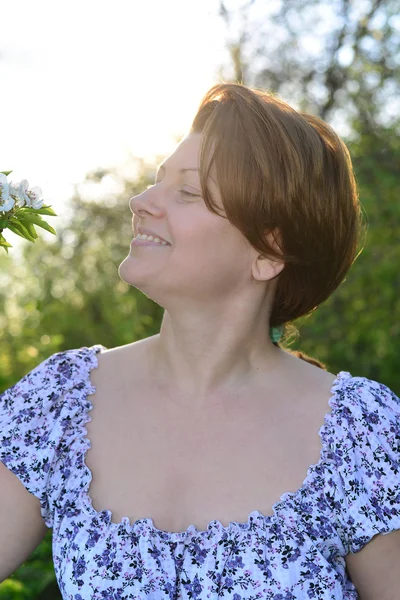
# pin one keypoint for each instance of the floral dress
(350, 495)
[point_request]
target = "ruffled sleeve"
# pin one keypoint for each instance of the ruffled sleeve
(33, 418)
(366, 452)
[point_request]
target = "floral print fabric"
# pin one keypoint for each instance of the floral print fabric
(350, 495)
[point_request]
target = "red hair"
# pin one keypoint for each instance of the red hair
(288, 174)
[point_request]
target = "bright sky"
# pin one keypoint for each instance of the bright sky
(86, 83)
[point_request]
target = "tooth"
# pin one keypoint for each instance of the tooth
(150, 238)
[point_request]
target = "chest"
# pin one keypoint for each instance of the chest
(151, 458)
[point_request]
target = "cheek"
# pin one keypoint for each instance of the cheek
(215, 255)
(212, 244)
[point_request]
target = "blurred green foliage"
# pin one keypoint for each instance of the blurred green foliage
(35, 578)
(66, 293)
(358, 328)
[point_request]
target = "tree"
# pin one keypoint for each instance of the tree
(336, 59)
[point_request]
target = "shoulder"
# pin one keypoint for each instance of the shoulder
(37, 400)
(129, 359)
(365, 417)
(34, 419)
(371, 480)
(363, 434)
(135, 349)
(367, 405)
(56, 372)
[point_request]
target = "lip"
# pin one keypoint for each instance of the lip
(143, 230)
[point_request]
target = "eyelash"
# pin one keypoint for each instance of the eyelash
(184, 192)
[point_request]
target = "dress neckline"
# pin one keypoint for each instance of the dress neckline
(145, 526)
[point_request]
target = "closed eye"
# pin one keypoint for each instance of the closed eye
(189, 194)
(184, 192)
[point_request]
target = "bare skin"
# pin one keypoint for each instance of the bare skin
(154, 455)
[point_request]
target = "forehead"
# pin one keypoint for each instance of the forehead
(187, 153)
(186, 157)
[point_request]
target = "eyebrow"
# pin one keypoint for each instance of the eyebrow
(164, 166)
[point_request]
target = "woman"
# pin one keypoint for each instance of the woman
(200, 472)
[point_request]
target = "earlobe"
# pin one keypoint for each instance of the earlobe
(268, 267)
(265, 268)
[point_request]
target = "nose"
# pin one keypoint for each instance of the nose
(145, 203)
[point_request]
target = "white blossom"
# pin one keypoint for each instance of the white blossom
(6, 201)
(35, 195)
(16, 195)
(26, 197)
(20, 192)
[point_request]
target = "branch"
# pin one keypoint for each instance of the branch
(336, 76)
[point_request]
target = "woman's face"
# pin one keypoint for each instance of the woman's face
(208, 259)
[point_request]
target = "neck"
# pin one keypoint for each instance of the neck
(201, 363)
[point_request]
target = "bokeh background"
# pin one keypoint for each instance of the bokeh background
(96, 94)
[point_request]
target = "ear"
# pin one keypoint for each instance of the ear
(265, 268)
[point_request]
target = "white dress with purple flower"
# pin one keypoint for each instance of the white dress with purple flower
(350, 495)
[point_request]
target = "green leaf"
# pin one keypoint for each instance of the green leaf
(6, 172)
(20, 229)
(37, 220)
(30, 228)
(4, 243)
(45, 210)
